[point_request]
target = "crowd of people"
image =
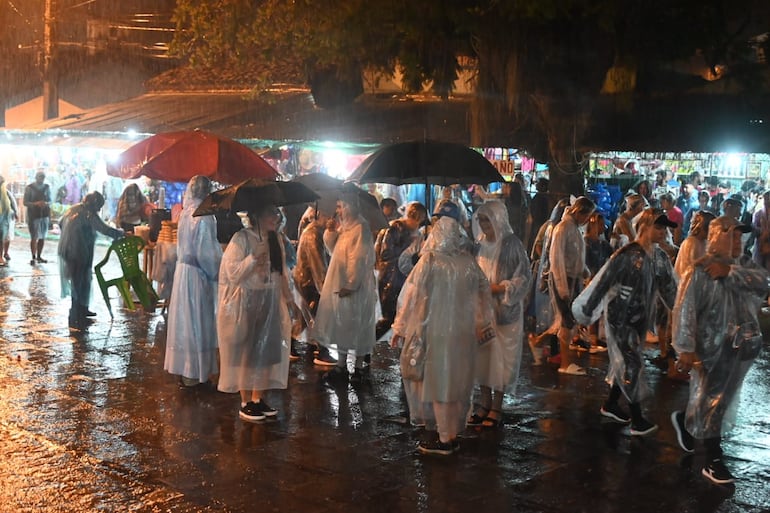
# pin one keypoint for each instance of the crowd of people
(458, 290)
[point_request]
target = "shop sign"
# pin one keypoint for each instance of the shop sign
(505, 167)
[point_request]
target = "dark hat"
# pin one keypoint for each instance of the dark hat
(449, 209)
(725, 223)
(663, 220)
(653, 216)
(734, 199)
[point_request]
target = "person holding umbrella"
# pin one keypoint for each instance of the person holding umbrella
(191, 343)
(76, 254)
(347, 308)
(253, 322)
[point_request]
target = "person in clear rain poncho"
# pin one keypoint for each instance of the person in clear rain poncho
(694, 245)
(444, 311)
(347, 310)
(503, 260)
(191, 341)
(309, 275)
(625, 291)
(79, 226)
(253, 321)
(567, 256)
(717, 337)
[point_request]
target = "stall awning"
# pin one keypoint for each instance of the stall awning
(289, 116)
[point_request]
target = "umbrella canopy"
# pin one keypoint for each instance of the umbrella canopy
(331, 189)
(426, 162)
(178, 156)
(253, 193)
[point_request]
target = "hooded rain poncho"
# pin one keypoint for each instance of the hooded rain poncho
(625, 291)
(503, 262)
(717, 319)
(253, 323)
(191, 342)
(444, 301)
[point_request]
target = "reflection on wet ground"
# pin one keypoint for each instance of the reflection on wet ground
(91, 422)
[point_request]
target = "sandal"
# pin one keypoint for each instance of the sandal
(493, 422)
(477, 419)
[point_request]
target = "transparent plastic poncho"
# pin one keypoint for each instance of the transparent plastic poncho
(504, 262)
(253, 323)
(625, 292)
(717, 319)
(444, 301)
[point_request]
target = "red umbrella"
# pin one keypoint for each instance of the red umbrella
(178, 156)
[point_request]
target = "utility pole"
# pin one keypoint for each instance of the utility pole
(50, 79)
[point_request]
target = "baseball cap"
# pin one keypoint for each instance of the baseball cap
(449, 209)
(725, 223)
(653, 216)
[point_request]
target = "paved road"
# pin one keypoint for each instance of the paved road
(92, 423)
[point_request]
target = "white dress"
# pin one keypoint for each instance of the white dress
(191, 342)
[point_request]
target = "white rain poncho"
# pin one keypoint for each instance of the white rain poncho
(445, 300)
(541, 299)
(567, 257)
(625, 291)
(191, 342)
(253, 323)
(717, 319)
(348, 323)
(503, 262)
(692, 249)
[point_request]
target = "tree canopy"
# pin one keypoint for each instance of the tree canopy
(542, 66)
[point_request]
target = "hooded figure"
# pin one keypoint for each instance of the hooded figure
(716, 334)
(191, 342)
(347, 310)
(309, 275)
(504, 262)
(76, 254)
(445, 304)
(625, 291)
(253, 322)
(694, 245)
(567, 256)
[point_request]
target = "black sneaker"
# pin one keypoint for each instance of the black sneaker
(336, 375)
(89, 313)
(32, 262)
(716, 472)
(323, 358)
(251, 412)
(684, 438)
(266, 410)
(615, 412)
(643, 428)
(293, 353)
(437, 447)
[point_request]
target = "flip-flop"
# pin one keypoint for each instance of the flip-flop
(573, 369)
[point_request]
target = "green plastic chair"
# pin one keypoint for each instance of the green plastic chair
(127, 249)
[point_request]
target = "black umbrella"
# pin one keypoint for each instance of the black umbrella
(253, 193)
(330, 189)
(426, 162)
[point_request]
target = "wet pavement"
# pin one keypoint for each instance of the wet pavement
(91, 422)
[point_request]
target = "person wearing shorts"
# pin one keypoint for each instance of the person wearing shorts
(37, 199)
